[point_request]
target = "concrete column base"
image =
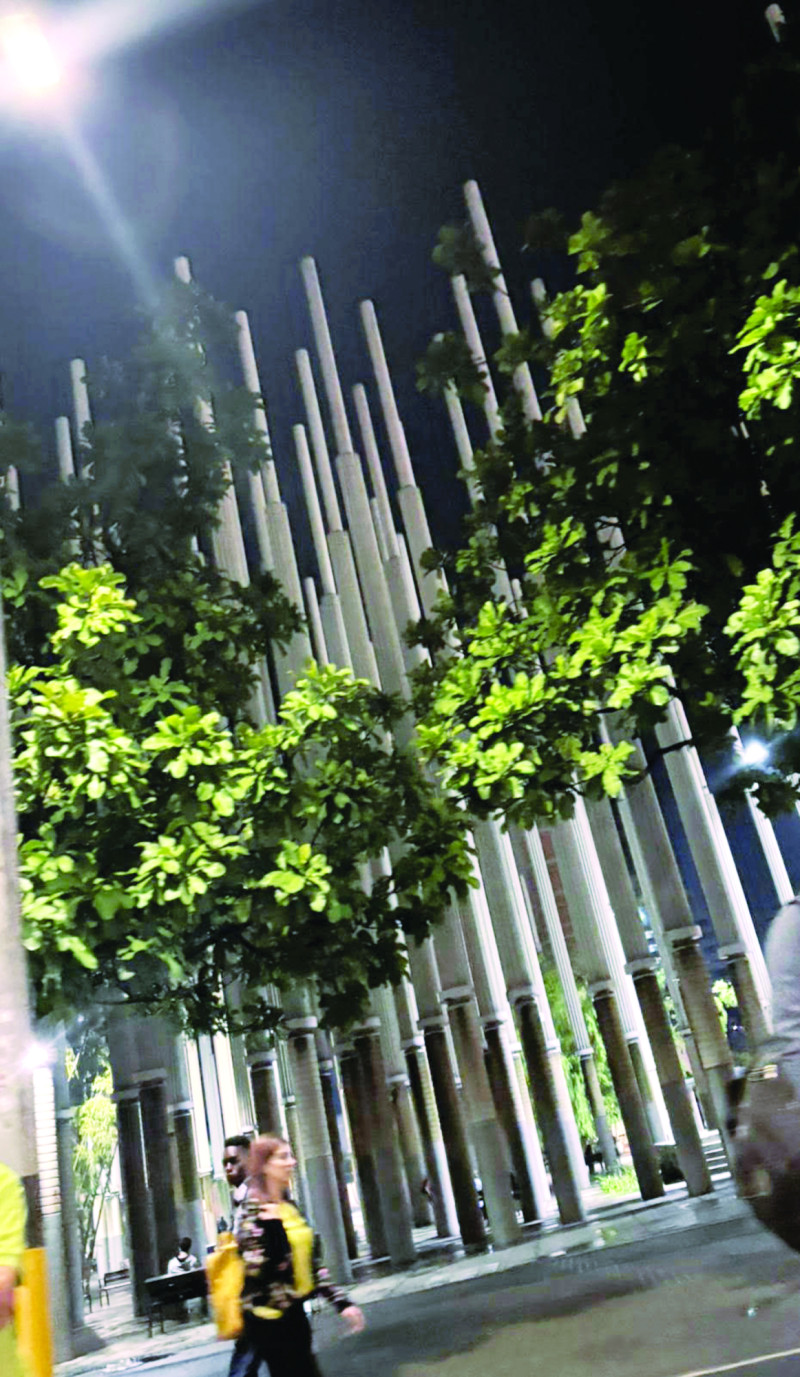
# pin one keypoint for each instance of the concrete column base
(545, 1099)
(327, 1078)
(753, 1017)
(594, 1095)
(392, 1188)
(645, 1161)
(500, 1074)
(688, 1146)
(190, 1209)
(470, 1219)
(317, 1154)
(141, 1228)
(710, 1042)
(362, 1150)
(155, 1130)
(411, 1149)
(443, 1201)
(491, 1150)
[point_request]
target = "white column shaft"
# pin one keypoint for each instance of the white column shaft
(523, 381)
(330, 374)
(315, 622)
(733, 923)
(375, 467)
(318, 442)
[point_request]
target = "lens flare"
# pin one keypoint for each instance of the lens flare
(30, 63)
(43, 56)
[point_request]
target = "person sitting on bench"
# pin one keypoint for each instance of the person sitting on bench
(183, 1259)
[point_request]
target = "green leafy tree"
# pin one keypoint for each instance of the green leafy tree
(652, 531)
(572, 1061)
(167, 853)
(93, 1154)
(725, 999)
(172, 844)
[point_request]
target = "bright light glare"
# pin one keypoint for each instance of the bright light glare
(30, 59)
(755, 753)
(38, 1056)
(93, 28)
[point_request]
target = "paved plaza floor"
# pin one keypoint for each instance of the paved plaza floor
(618, 1259)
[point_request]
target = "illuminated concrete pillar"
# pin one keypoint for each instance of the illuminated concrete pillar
(530, 849)
(384, 1008)
(713, 859)
(359, 1120)
(432, 1023)
(330, 1096)
(484, 1128)
(511, 1095)
(412, 1045)
(526, 996)
(262, 1065)
(155, 1132)
(123, 1056)
(590, 924)
(641, 965)
(392, 1188)
(318, 1162)
(523, 382)
(676, 932)
(141, 1225)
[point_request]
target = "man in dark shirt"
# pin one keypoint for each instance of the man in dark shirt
(245, 1362)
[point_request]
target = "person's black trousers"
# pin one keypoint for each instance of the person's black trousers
(284, 1344)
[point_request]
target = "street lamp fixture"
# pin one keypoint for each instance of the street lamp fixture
(754, 753)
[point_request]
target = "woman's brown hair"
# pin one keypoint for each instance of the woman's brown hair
(261, 1149)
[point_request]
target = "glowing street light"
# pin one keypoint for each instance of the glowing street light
(30, 64)
(754, 753)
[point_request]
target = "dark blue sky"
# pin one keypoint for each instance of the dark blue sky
(343, 130)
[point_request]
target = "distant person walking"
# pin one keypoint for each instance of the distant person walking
(277, 1245)
(12, 1247)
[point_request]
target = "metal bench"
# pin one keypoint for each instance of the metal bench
(174, 1288)
(111, 1281)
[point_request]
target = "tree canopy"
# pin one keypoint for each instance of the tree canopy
(650, 517)
(172, 843)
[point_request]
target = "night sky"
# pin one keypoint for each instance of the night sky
(343, 129)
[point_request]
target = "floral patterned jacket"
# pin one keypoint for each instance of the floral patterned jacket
(281, 1259)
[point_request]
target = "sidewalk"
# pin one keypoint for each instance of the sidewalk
(609, 1225)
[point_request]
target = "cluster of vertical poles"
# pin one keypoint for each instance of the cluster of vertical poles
(458, 1072)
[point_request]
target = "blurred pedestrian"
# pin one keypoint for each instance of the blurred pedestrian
(12, 1247)
(782, 953)
(183, 1259)
(234, 1162)
(593, 1157)
(280, 1264)
(245, 1362)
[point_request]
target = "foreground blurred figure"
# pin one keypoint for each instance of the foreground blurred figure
(12, 1246)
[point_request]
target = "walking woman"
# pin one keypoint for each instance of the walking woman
(12, 1244)
(277, 1245)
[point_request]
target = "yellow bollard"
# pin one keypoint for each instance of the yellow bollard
(32, 1316)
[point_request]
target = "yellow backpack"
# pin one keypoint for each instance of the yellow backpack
(225, 1272)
